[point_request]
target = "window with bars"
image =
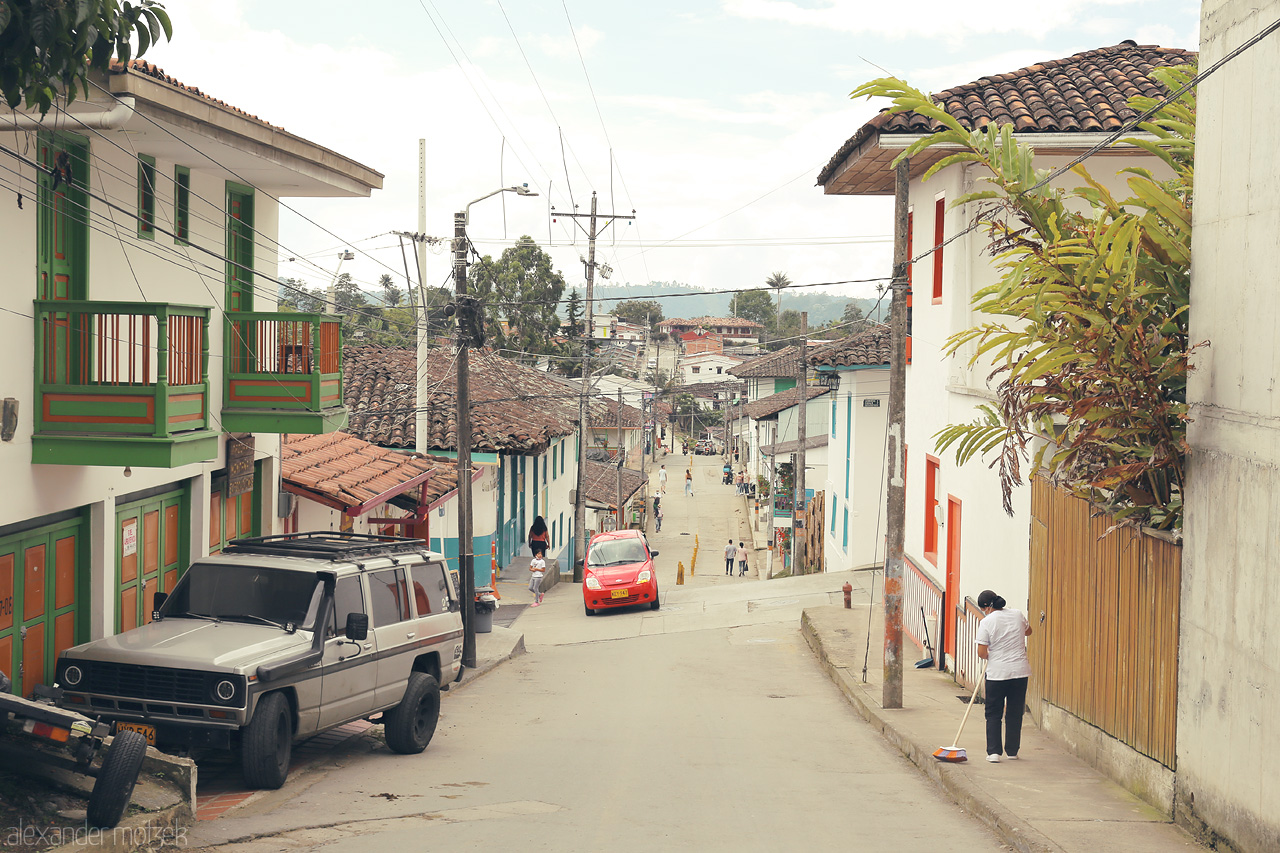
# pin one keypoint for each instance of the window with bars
(146, 196)
(181, 205)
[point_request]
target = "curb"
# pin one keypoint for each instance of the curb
(489, 665)
(1012, 830)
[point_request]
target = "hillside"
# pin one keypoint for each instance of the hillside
(683, 300)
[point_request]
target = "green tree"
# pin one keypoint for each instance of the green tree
(296, 296)
(778, 281)
(755, 305)
(852, 320)
(522, 288)
(48, 47)
(392, 296)
(1088, 339)
(348, 299)
(639, 311)
(573, 325)
(787, 331)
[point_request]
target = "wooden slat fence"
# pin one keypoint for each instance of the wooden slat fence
(1105, 613)
(967, 664)
(920, 591)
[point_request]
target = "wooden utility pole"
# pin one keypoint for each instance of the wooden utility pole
(621, 458)
(896, 497)
(580, 502)
(799, 521)
(466, 560)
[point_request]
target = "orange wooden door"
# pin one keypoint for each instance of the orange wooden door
(151, 554)
(40, 587)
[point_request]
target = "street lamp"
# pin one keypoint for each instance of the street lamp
(466, 559)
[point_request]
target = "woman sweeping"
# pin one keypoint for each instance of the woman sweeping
(539, 541)
(1002, 643)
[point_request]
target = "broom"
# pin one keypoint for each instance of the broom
(956, 753)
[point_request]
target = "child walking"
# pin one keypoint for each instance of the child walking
(537, 568)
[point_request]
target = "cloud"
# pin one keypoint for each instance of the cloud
(563, 47)
(944, 19)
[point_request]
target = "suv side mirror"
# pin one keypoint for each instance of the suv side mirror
(357, 626)
(157, 601)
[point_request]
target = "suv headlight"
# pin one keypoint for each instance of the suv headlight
(592, 582)
(645, 576)
(72, 675)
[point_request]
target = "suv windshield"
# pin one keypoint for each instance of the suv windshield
(617, 552)
(246, 594)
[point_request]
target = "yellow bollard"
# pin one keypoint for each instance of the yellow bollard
(680, 574)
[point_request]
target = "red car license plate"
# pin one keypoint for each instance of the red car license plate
(618, 593)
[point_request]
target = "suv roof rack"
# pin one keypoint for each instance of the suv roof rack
(323, 543)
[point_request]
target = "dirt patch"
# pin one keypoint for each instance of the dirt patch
(36, 816)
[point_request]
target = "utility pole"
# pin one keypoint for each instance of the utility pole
(580, 502)
(621, 458)
(801, 521)
(466, 560)
(896, 497)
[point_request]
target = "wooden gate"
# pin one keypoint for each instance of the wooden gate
(1105, 613)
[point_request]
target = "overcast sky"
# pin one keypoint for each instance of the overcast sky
(719, 114)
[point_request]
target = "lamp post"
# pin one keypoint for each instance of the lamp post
(470, 321)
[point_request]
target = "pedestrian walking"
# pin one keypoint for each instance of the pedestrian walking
(742, 559)
(537, 570)
(657, 515)
(662, 478)
(742, 482)
(735, 456)
(688, 482)
(656, 499)
(539, 539)
(730, 554)
(1002, 643)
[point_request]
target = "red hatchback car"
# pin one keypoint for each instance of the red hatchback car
(619, 572)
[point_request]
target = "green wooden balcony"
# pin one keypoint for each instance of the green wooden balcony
(121, 384)
(283, 373)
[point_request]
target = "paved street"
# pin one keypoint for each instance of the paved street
(707, 725)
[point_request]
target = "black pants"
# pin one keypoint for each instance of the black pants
(1006, 699)
(728, 565)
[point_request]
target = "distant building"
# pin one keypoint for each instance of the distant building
(733, 331)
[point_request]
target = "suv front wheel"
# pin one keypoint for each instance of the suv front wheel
(410, 725)
(266, 744)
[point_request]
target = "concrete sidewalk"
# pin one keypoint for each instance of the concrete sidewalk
(1048, 800)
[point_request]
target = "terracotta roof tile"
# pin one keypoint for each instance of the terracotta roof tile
(871, 347)
(513, 407)
(774, 403)
(711, 321)
(600, 482)
(148, 69)
(352, 471)
(1083, 93)
(780, 363)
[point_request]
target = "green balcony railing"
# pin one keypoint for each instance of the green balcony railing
(112, 372)
(283, 373)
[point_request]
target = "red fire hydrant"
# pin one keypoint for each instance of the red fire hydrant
(848, 595)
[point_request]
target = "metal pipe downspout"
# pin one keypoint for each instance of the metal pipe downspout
(112, 119)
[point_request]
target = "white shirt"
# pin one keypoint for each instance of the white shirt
(662, 477)
(537, 565)
(1004, 633)
(730, 551)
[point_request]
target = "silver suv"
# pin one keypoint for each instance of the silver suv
(276, 639)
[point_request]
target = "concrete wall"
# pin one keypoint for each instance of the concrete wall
(855, 524)
(1228, 675)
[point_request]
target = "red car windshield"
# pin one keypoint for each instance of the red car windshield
(617, 552)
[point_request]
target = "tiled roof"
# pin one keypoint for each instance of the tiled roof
(600, 482)
(604, 414)
(353, 472)
(780, 363)
(711, 321)
(774, 403)
(811, 442)
(147, 69)
(863, 348)
(711, 389)
(513, 408)
(1084, 93)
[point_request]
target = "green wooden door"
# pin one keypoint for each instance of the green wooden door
(62, 235)
(151, 553)
(233, 517)
(240, 243)
(41, 586)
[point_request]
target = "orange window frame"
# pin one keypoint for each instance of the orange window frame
(939, 234)
(931, 467)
